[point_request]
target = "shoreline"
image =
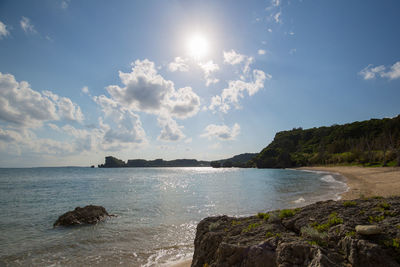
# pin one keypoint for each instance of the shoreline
(361, 182)
(365, 181)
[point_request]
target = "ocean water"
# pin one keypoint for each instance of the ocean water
(157, 210)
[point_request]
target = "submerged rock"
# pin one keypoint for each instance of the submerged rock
(90, 214)
(320, 234)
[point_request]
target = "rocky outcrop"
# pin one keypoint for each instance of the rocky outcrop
(88, 215)
(321, 234)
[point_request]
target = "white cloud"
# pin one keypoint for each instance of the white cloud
(184, 103)
(120, 125)
(147, 91)
(179, 64)
(66, 109)
(27, 26)
(221, 132)
(292, 51)
(20, 105)
(208, 68)
(394, 72)
(236, 89)
(269, 30)
(233, 58)
(370, 72)
(85, 90)
(171, 131)
(277, 17)
(3, 30)
(261, 52)
(291, 33)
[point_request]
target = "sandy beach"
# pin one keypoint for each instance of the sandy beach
(366, 182)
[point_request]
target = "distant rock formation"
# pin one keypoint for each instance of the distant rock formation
(112, 162)
(88, 215)
(364, 233)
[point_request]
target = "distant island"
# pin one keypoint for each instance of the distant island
(236, 161)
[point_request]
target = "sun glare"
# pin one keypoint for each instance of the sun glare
(197, 46)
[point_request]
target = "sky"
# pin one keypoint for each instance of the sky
(81, 80)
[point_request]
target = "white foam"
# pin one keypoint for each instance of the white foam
(300, 200)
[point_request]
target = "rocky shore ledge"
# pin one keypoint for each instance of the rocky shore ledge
(361, 232)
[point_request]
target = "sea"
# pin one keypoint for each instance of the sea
(156, 210)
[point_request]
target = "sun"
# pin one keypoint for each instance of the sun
(197, 46)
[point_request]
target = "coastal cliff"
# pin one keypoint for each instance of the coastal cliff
(362, 232)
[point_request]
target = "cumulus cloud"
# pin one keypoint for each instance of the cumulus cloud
(371, 72)
(120, 124)
(66, 109)
(145, 90)
(20, 105)
(292, 51)
(3, 30)
(208, 68)
(171, 131)
(184, 103)
(236, 89)
(221, 132)
(179, 64)
(27, 26)
(15, 141)
(261, 52)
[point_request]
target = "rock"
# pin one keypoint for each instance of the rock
(317, 235)
(368, 229)
(88, 215)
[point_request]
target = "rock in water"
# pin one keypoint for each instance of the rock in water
(90, 214)
(368, 229)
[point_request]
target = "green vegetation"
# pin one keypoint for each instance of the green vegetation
(251, 227)
(373, 219)
(351, 234)
(384, 205)
(349, 203)
(270, 234)
(235, 222)
(241, 161)
(317, 237)
(286, 213)
(332, 220)
(369, 143)
(264, 216)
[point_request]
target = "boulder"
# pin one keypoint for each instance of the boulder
(90, 214)
(368, 229)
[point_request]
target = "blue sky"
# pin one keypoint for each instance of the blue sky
(80, 80)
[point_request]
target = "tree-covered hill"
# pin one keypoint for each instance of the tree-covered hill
(372, 142)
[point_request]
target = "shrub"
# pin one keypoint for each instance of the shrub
(262, 215)
(349, 203)
(286, 213)
(333, 220)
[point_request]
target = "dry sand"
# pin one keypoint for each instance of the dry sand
(362, 182)
(379, 181)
